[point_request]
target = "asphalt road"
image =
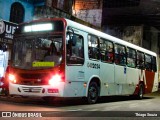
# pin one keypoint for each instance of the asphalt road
(114, 107)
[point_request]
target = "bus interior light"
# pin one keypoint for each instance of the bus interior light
(38, 27)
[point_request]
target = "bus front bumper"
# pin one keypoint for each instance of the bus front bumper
(37, 91)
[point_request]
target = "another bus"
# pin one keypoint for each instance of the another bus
(61, 58)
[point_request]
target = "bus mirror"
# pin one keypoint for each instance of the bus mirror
(74, 40)
(70, 30)
(71, 38)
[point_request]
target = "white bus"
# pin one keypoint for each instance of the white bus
(61, 58)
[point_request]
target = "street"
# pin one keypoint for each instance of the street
(115, 106)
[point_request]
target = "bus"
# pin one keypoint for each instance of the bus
(58, 57)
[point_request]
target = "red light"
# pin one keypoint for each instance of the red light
(53, 91)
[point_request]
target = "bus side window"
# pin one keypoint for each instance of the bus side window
(154, 64)
(93, 47)
(75, 52)
(106, 51)
(140, 60)
(148, 62)
(120, 54)
(131, 57)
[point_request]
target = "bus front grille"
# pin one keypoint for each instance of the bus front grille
(32, 76)
(32, 89)
(33, 79)
(34, 82)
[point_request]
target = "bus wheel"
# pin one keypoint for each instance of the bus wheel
(93, 92)
(141, 91)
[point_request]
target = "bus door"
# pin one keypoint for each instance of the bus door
(107, 67)
(132, 72)
(75, 71)
(120, 67)
(93, 60)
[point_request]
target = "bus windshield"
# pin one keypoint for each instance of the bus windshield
(37, 52)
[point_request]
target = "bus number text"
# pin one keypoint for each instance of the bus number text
(93, 65)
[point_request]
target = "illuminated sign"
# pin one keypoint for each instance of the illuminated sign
(38, 27)
(43, 64)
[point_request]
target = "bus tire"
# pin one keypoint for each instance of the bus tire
(141, 91)
(93, 93)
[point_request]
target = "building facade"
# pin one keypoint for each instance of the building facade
(89, 10)
(12, 13)
(54, 8)
(134, 21)
(18, 11)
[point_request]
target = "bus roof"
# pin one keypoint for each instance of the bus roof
(106, 36)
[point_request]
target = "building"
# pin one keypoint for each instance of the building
(136, 21)
(12, 13)
(89, 10)
(18, 11)
(59, 8)
(54, 8)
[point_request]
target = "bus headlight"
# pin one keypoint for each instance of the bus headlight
(12, 78)
(55, 79)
